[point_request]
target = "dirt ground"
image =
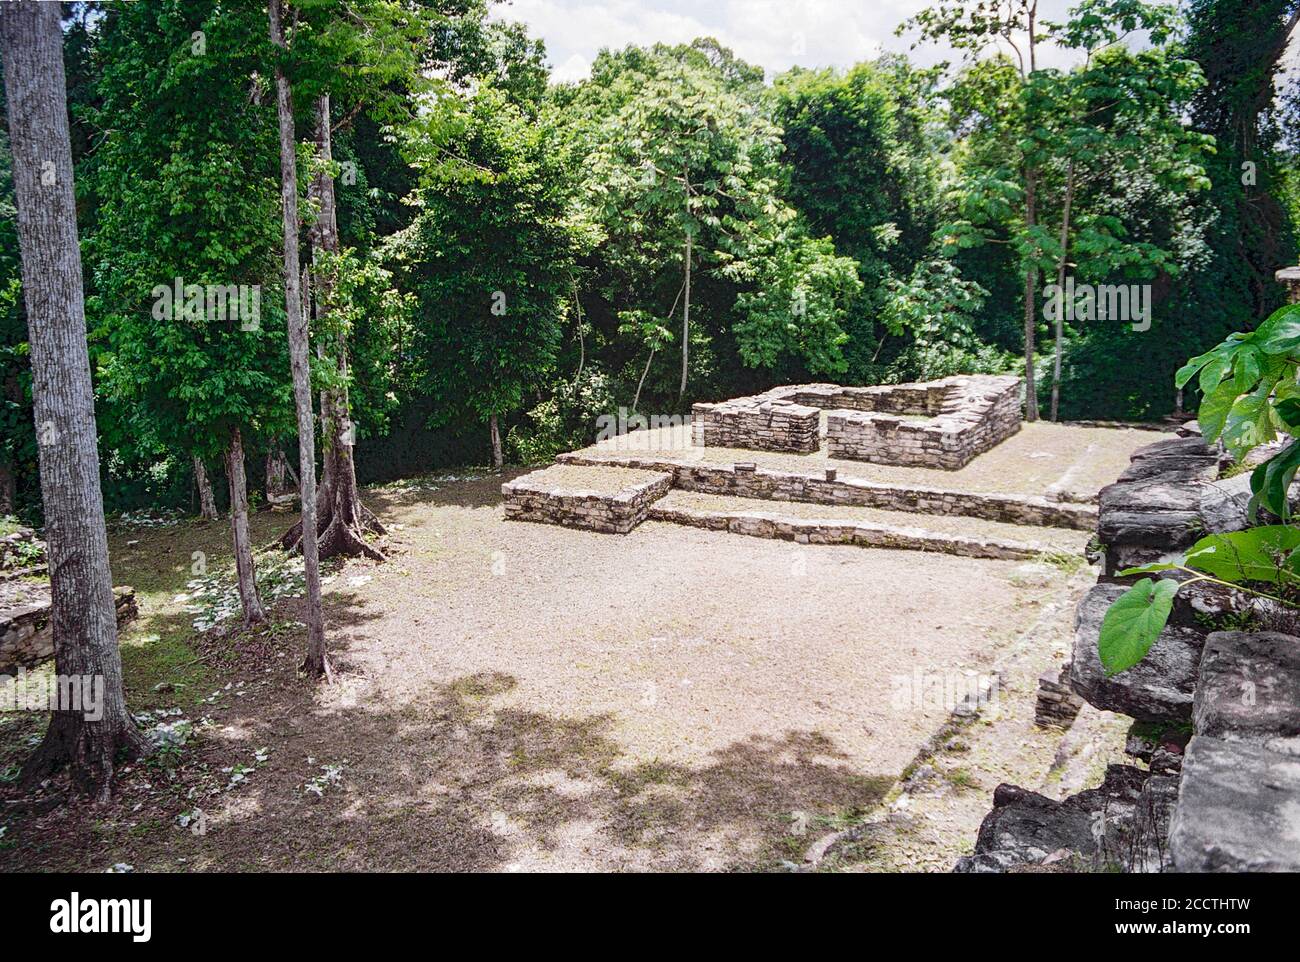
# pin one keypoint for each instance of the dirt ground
(520, 696)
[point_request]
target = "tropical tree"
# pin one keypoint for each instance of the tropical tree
(491, 254)
(83, 617)
(184, 185)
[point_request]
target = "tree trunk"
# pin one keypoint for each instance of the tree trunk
(207, 503)
(83, 619)
(1031, 290)
(686, 317)
(498, 462)
(316, 663)
(1060, 285)
(6, 488)
(342, 519)
(275, 472)
(244, 570)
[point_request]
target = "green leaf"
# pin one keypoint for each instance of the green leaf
(1214, 411)
(1271, 481)
(1256, 554)
(1280, 334)
(1134, 622)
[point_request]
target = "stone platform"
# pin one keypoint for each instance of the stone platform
(937, 424)
(613, 500)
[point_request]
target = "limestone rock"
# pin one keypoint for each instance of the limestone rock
(1025, 828)
(1158, 688)
(1249, 689)
(1238, 809)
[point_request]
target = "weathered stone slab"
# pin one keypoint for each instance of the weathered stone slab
(1249, 690)
(1159, 688)
(1025, 828)
(1238, 809)
(26, 636)
(612, 500)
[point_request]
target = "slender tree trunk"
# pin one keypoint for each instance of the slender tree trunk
(83, 619)
(207, 503)
(342, 519)
(275, 472)
(582, 339)
(1060, 284)
(6, 488)
(316, 663)
(244, 569)
(1031, 290)
(637, 398)
(686, 317)
(498, 462)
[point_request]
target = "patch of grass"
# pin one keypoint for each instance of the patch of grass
(1063, 561)
(162, 668)
(961, 778)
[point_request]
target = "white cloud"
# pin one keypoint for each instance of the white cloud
(776, 34)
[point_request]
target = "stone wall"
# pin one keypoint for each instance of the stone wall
(974, 413)
(546, 497)
(26, 637)
(747, 481)
(761, 423)
(1223, 801)
(770, 524)
(964, 416)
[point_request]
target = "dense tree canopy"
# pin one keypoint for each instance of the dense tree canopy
(514, 257)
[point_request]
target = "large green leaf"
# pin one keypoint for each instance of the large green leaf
(1280, 334)
(1249, 422)
(1134, 622)
(1256, 554)
(1214, 411)
(1271, 481)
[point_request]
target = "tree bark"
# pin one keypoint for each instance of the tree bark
(316, 663)
(6, 488)
(1031, 289)
(498, 462)
(342, 519)
(686, 316)
(207, 503)
(83, 619)
(1060, 284)
(244, 569)
(275, 472)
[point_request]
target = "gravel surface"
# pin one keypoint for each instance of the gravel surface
(1052, 539)
(525, 696)
(571, 478)
(1042, 456)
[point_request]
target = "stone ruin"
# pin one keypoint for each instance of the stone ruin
(612, 500)
(939, 424)
(1216, 714)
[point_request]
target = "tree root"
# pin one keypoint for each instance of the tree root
(88, 749)
(336, 538)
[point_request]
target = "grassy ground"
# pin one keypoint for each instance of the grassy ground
(523, 696)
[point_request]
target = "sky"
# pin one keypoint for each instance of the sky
(776, 34)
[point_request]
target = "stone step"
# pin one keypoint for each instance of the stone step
(748, 479)
(865, 527)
